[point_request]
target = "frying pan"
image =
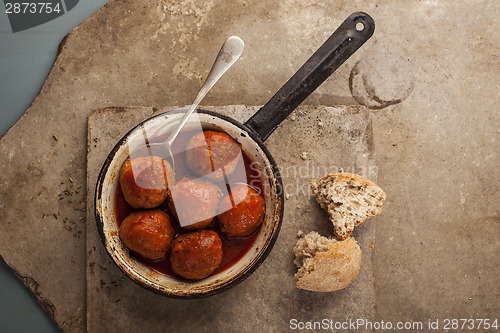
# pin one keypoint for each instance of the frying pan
(251, 135)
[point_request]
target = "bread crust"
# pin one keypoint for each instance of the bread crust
(327, 265)
(334, 269)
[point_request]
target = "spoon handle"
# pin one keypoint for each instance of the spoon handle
(228, 54)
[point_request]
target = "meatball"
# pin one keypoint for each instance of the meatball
(148, 233)
(241, 211)
(211, 154)
(195, 202)
(145, 181)
(196, 255)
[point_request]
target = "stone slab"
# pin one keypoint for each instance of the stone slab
(313, 141)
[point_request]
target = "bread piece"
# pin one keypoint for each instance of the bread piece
(349, 200)
(326, 264)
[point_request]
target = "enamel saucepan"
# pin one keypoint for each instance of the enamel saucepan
(350, 35)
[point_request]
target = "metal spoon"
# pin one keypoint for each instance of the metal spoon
(230, 51)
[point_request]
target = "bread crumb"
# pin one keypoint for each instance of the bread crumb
(307, 247)
(326, 264)
(304, 155)
(292, 116)
(349, 200)
(320, 123)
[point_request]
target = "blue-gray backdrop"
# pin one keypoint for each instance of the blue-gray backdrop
(25, 60)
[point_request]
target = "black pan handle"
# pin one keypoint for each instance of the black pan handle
(349, 36)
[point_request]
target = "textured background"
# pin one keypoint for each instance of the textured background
(268, 299)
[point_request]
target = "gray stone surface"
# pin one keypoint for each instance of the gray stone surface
(313, 141)
(436, 137)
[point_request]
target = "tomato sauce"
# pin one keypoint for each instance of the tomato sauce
(233, 249)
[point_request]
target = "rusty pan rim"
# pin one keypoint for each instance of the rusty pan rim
(253, 265)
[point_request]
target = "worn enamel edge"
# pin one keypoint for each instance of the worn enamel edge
(156, 282)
